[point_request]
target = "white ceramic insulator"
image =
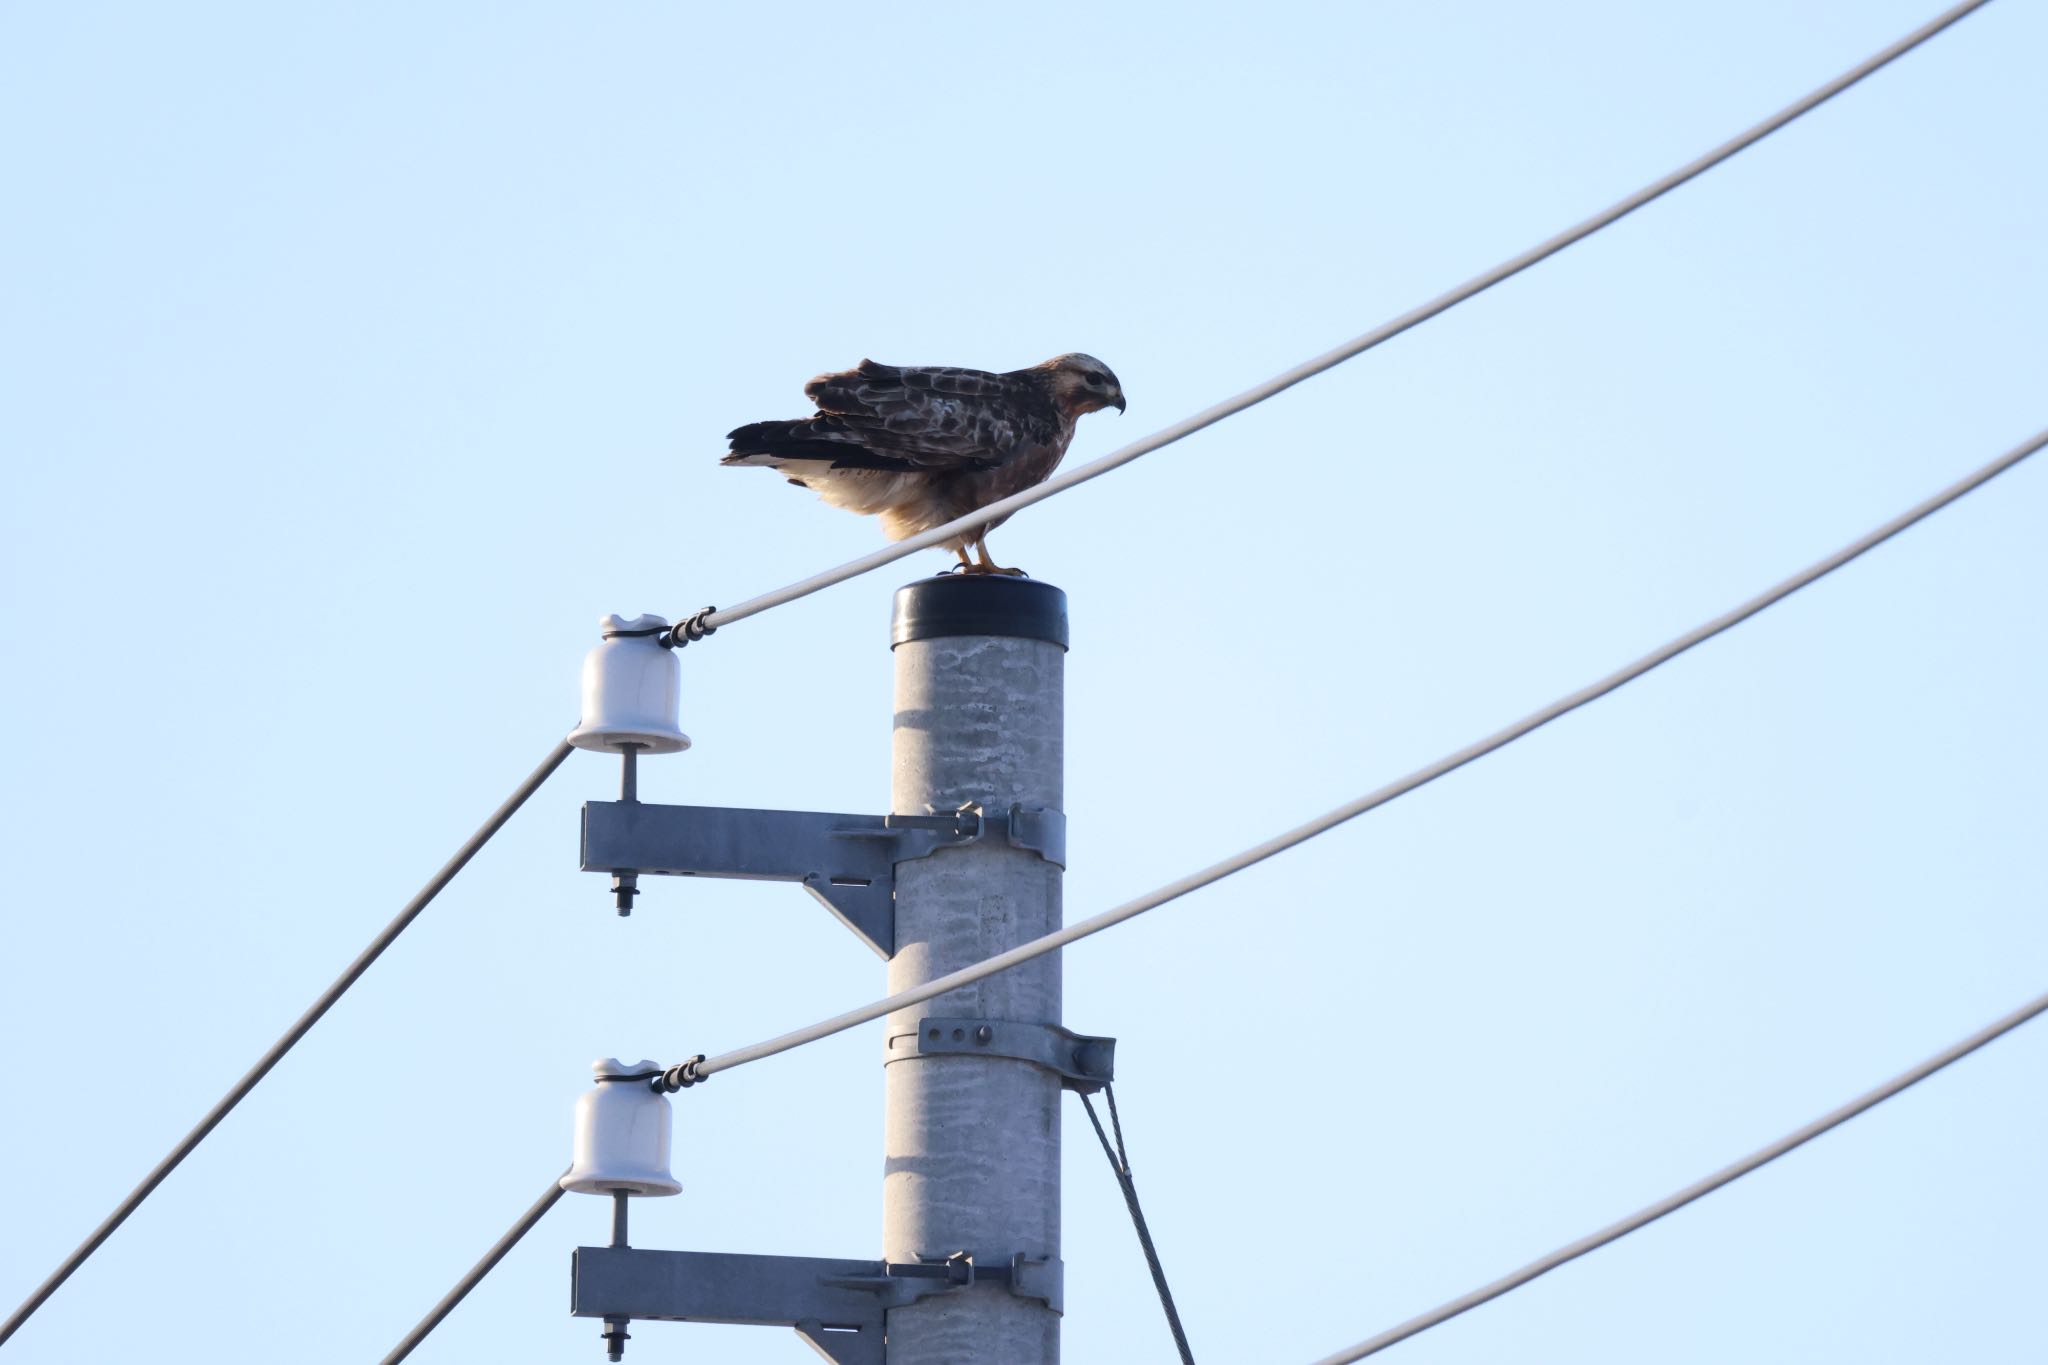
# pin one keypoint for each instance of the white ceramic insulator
(623, 1134)
(632, 690)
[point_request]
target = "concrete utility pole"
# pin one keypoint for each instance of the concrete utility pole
(972, 1143)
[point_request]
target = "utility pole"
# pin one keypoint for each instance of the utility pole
(972, 1142)
(967, 865)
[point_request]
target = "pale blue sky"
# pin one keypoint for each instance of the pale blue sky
(354, 360)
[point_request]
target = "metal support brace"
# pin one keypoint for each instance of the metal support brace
(1083, 1063)
(847, 861)
(838, 1306)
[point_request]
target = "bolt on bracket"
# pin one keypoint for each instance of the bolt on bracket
(1083, 1062)
(847, 861)
(839, 1306)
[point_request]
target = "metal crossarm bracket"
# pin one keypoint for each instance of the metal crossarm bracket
(1083, 1063)
(837, 1305)
(847, 861)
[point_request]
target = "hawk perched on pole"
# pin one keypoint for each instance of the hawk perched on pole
(922, 445)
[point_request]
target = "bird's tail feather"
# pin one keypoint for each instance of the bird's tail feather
(817, 438)
(772, 442)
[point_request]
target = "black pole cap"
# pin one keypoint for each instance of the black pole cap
(979, 604)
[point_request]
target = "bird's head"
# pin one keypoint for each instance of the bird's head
(1081, 383)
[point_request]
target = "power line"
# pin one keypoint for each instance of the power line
(298, 1030)
(1386, 331)
(1726, 1175)
(698, 1069)
(534, 1213)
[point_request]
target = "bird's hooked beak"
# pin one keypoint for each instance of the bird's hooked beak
(1118, 400)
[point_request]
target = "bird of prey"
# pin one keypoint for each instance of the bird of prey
(921, 445)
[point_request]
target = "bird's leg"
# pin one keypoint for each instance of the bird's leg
(988, 563)
(966, 565)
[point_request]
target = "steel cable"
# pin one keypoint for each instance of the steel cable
(1120, 1166)
(489, 1262)
(240, 1090)
(1672, 1203)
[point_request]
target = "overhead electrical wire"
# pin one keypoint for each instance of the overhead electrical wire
(701, 1068)
(240, 1090)
(489, 1262)
(1671, 1203)
(1386, 331)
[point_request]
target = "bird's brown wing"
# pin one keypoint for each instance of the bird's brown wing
(930, 418)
